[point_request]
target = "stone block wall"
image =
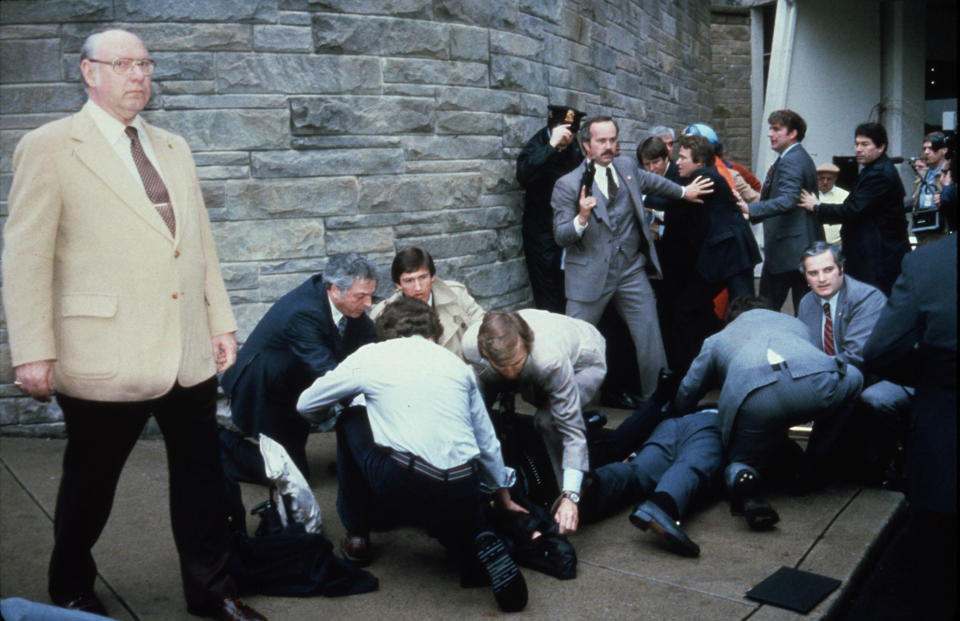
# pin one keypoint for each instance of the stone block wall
(320, 126)
(730, 41)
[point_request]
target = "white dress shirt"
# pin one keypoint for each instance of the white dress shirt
(115, 133)
(421, 399)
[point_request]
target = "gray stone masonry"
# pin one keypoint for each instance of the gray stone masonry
(730, 40)
(320, 126)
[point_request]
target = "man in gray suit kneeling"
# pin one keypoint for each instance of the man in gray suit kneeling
(771, 377)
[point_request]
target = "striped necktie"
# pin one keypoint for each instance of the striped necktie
(152, 183)
(828, 347)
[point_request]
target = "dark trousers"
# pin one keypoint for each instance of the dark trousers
(766, 415)
(679, 457)
(612, 445)
(775, 287)
(741, 285)
(694, 319)
(933, 564)
(543, 257)
(375, 492)
(100, 436)
(283, 424)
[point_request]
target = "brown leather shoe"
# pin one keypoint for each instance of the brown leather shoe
(237, 610)
(356, 550)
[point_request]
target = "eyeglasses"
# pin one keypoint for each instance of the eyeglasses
(126, 65)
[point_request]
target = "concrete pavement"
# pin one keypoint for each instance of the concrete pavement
(622, 572)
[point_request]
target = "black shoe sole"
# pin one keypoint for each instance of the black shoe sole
(509, 587)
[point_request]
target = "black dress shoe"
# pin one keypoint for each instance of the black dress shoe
(236, 610)
(759, 514)
(649, 515)
(594, 420)
(620, 400)
(87, 602)
(667, 384)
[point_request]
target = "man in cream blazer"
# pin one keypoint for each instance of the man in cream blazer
(123, 312)
(415, 276)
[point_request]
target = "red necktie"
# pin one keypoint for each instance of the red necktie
(828, 331)
(768, 181)
(152, 183)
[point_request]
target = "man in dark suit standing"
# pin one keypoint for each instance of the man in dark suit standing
(915, 342)
(305, 333)
(550, 154)
(786, 230)
(610, 253)
(724, 258)
(873, 224)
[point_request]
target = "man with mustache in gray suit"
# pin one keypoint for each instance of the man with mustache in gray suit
(610, 255)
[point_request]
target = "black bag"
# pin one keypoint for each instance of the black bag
(550, 553)
(524, 450)
(270, 522)
(295, 563)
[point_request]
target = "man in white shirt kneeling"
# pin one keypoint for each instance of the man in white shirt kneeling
(421, 450)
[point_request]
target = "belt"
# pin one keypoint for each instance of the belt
(413, 463)
(779, 365)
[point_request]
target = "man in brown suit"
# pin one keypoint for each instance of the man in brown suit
(114, 299)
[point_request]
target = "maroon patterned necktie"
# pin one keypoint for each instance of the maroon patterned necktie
(156, 190)
(768, 181)
(828, 331)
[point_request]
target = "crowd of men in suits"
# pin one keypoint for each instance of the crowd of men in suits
(101, 198)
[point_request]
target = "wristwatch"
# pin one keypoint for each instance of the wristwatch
(573, 496)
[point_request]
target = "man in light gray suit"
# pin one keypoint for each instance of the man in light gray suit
(787, 231)
(558, 364)
(770, 377)
(840, 313)
(609, 253)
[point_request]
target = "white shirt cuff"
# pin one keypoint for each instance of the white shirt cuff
(579, 228)
(572, 479)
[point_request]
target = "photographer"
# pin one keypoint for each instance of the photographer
(946, 200)
(927, 221)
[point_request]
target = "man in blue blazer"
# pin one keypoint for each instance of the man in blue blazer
(786, 229)
(305, 333)
(724, 258)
